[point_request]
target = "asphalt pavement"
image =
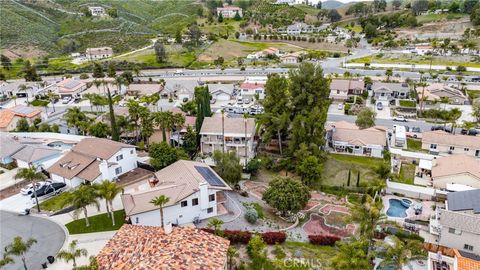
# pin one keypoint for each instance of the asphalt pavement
(49, 235)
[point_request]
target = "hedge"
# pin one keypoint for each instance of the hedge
(323, 240)
(243, 237)
(272, 238)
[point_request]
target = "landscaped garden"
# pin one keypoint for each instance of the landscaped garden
(407, 174)
(408, 103)
(98, 223)
(55, 203)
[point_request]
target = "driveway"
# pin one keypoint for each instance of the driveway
(16, 203)
(49, 235)
(8, 178)
(333, 109)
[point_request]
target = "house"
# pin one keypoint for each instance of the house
(97, 11)
(299, 28)
(144, 89)
(389, 91)
(37, 156)
(270, 51)
(11, 89)
(93, 54)
(344, 137)
(10, 117)
(443, 143)
(340, 89)
(439, 91)
(252, 89)
(422, 49)
(194, 190)
(102, 90)
(8, 147)
(71, 88)
(290, 58)
(229, 11)
(456, 171)
(440, 257)
(155, 248)
(239, 137)
(221, 92)
(457, 224)
(93, 160)
(183, 90)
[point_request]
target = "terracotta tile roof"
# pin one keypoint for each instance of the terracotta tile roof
(467, 261)
(233, 126)
(456, 164)
(251, 86)
(445, 138)
(6, 115)
(147, 247)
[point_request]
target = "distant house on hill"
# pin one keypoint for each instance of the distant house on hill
(229, 11)
(97, 11)
(98, 53)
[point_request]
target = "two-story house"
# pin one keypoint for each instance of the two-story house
(93, 160)
(194, 190)
(239, 137)
(456, 171)
(443, 143)
(229, 11)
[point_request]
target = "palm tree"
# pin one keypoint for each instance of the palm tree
(81, 198)
(108, 190)
(163, 120)
(389, 73)
(76, 118)
(6, 260)
(31, 175)
(72, 253)
(24, 88)
(245, 120)
(423, 97)
(401, 252)
(160, 202)
(134, 110)
(14, 99)
(232, 253)
(453, 116)
(178, 123)
(19, 248)
(52, 97)
(351, 255)
(383, 171)
(216, 224)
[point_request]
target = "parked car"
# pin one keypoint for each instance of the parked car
(416, 129)
(400, 119)
(247, 101)
(340, 106)
(66, 100)
(213, 100)
(471, 132)
(379, 106)
(52, 188)
(28, 189)
(446, 128)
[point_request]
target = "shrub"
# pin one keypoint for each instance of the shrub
(323, 240)
(251, 215)
(461, 69)
(237, 237)
(272, 238)
(84, 76)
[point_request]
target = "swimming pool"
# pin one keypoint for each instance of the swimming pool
(396, 209)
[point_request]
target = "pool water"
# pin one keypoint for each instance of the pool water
(396, 209)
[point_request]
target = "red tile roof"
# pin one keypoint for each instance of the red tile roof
(252, 85)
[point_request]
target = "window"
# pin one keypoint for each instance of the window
(184, 203)
(211, 197)
(477, 153)
(452, 148)
(468, 247)
(195, 201)
(466, 149)
(131, 152)
(118, 170)
(454, 231)
(119, 157)
(209, 210)
(433, 146)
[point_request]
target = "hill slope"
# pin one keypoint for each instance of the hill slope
(332, 4)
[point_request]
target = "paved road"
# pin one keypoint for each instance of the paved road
(424, 126)
(49, 235)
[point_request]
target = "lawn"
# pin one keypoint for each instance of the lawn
(98, 223)
(174, 58)
(414, 145)
(407, 174)
(39, 103)
(55, 203)
(321, 255)
(337, 166)
(408, 103)
(473, 94)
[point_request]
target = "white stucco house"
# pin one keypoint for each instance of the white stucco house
(194, 190)
(93, 160)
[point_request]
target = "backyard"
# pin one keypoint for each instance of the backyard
(337, 166)
(414, 145)
(98, 223)
(407, 174)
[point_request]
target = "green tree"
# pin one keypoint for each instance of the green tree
(5, 62)
(112, 12)
(108, 190)
(22, 125)
(476, 109)
(163, 155)
(475, 15)
(32, 176)
(55, 128)
(190, 141)
(44, 127)
(97, 71)
(365, 118)
(370, 30)
(419, 6)
(77, 119)
(111, 70)
(389, 73)
(160, 202)
(401, 252)
(202, 99)
(220, 18)
(334, 16)
(227, 165)
(72, 253)
(6, 260)
(99, 129)
(310, 170)
(30, 72)
(189, 107)
(113, 124)
(178, 36)
(237, 17)
(256, 246)
(195, 34)
(367, 215)
(351, 255)
(396, 4)
(164, 120)
(160, 52)
(80, 199)
(216, 224)
(286, 195)
(383, 170)
(19, 248)
(232, 253)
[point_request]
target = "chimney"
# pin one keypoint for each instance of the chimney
(203, 195)
(167, 228)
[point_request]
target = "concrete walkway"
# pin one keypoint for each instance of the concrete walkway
(7, 178)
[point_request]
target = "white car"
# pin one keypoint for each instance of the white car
(340, 106)
(66, 100)
(400, 119)
(28, 189)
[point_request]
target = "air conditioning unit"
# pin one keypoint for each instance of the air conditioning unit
(450, 152)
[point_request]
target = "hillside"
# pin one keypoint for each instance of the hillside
(52, 27)
(332, 4)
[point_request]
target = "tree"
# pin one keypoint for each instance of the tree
(401, 252)
(19, 248)
(30, 72)
(475, 15)
(367, 215)
(113, 124)
(77, 119)
(232, 253)
(227, 165)
(160, 202)
(396, 4)
(379, 5)
(220, 17)
(97, 71)
(32, 176)
(163, 155)
(370, 30)
(5, 62)
(216, 224)
(160, 53)
(6, 260)
(108, 190)
(310, 169)
(72, 253)
(178, 36)
(334, 16)
(365, 118)
(286, 195)
(112, 12)
(164, 120)
(189, 107)
(319, 5)
(389, 73)
(351, 255)
(55, 128)
(190, 141)
(99, 129)
(476, 109)
(195, 34)
(80, 199)
(22, 125)
(383, 171)
(44, 127)
(255, 246)
(419, 6)
(202, 99)
(219, 61)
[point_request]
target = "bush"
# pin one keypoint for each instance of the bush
(251, 215)
(346, 108)
(272, 238)
(84, 76)
(253, 165)
(461, 69)
(323, 240)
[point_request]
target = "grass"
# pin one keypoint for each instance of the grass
(473, 94)
(412, 59)
(321, 255)
(98, 223)
(39, 103)
(407, 174)
(439, 17)
(408, 103)
(55, 203)
(414, 145)
(147, 58)
(337, 166)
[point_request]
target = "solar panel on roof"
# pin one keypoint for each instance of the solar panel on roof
(209, 176)
(72, 84)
